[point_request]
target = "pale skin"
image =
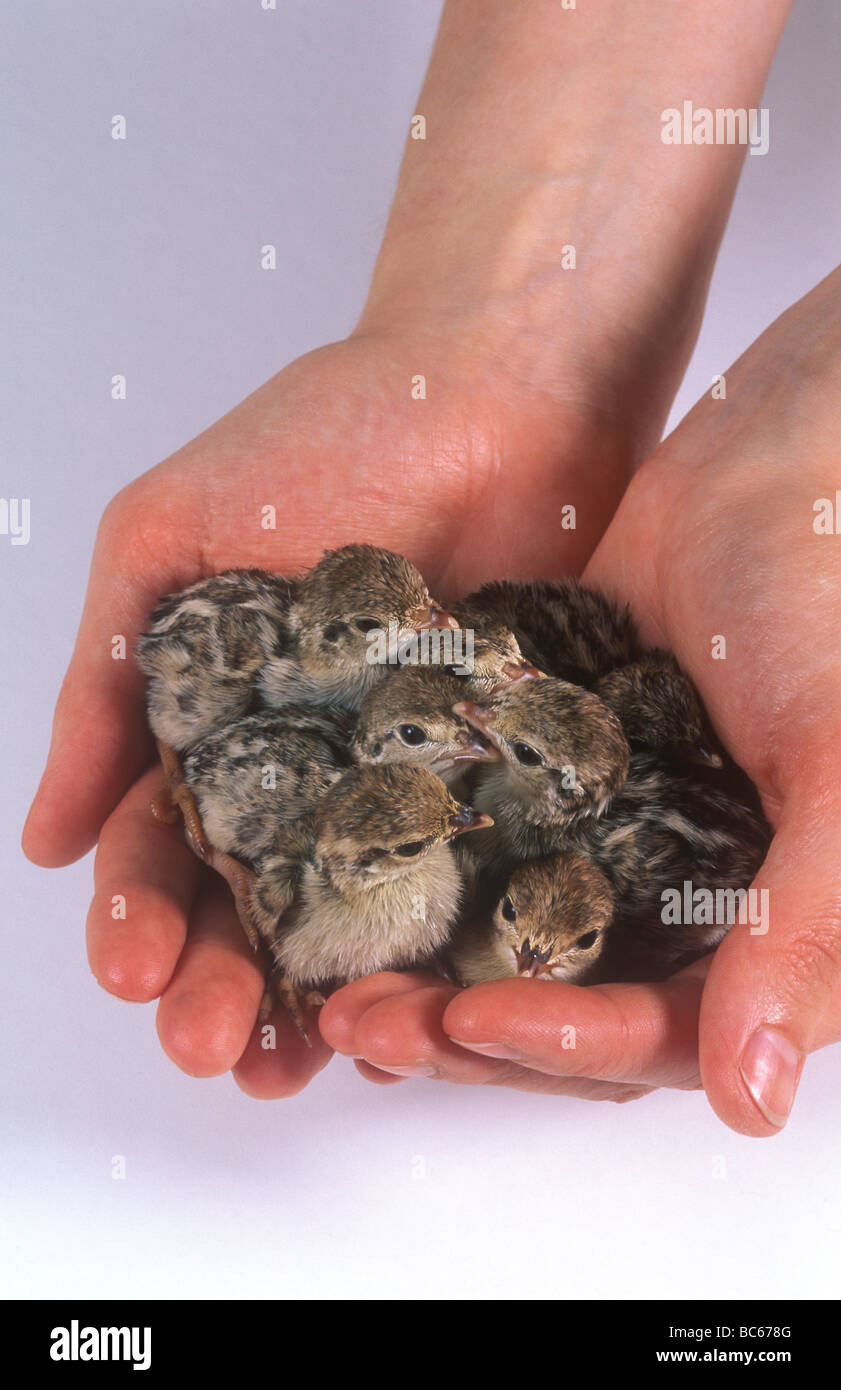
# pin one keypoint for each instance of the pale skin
(545, 388)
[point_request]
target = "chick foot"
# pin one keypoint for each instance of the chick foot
(176, 796)
(293, 999)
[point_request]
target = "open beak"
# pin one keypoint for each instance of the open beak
(479, 716)
(475, 750)
(516, 671)
(531, 962)
(432, 615)
(465, 818)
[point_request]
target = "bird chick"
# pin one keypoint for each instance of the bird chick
(670, 825)
(255, 775)
(377, 888)
(248, 638)
(410, 718)
(563, 628)
(497, 659)
(351, 597)
(563, 756)
(659, 709)
(551, 922)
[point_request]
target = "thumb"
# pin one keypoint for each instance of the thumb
(772, 980)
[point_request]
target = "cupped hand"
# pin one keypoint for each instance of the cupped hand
(716, 538)
(467, 479)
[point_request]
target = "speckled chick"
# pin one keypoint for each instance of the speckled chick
(563, 756)
(246, 637)
(410, 718)
(659, 709)
(669, 825)
(564, 629)
(265, 771)
(551, 922)
(378, 887)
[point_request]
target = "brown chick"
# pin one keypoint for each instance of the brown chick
(369, 883)
(551, 922)
(246, 638)
(659, 709)
(563, 757)
(410, 718)
(568, 631)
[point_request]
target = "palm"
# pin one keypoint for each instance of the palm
(333, 449)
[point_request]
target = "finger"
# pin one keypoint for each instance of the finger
(146, 878)
(100, 742)
(636, 1034)
(401, 1033)
(207, 1013)
(370, 1073)
(340, 1016)
(773, 981)
(276, 1062)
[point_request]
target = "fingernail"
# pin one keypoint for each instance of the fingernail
(491, 1049)
(419, 1069)
(769, 1070)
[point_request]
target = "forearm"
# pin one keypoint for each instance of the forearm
(543, 131)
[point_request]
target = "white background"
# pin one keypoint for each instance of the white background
(142, 257)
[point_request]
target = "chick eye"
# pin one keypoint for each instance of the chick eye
(460, 671)
(412, 734)
(509, 911)
(587, 940)
(365, 624)
(408, 851)
(524, 753)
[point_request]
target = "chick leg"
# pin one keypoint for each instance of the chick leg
(176, 796)
(293, 999)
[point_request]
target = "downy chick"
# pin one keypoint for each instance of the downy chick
(659, 709)
(410, 718)
(497, 658)
(369, 884)
(563, 628)
(247, 638)
(260, 773)
(563, 756)
(551, 922)
(669, 826)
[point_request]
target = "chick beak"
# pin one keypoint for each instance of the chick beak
(528, 963)
(700, 753)
(465, 818)
(474, 750)
(479, 716)
(431, 615)
(516, 671)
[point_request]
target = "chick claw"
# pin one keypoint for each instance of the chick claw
(293, 999)
(175, 795)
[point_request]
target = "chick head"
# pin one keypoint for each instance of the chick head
(564, 751)
(552, 919)
(659, 707)
(380, 823)
(409, 718)
(352, 603)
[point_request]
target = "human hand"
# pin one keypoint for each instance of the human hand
(544, 387)
(339, 446)
(714, 538)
